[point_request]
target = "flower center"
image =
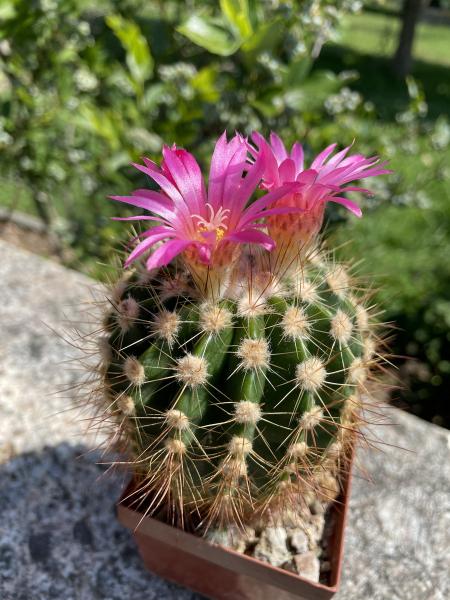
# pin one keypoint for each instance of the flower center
(215, 223)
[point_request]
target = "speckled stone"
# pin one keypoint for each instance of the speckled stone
(307, 565)
(272, 546)
(39, 370)
(398, 535)
(59, 537)
(233, 538)
(298, 540)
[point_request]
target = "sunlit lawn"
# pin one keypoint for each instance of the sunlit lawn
(377, 34)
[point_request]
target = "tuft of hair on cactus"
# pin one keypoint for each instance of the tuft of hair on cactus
(237, 355)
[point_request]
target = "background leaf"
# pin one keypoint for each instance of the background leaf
(207, 34)
(238, 15)
(138, 57)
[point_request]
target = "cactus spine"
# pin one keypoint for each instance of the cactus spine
(234, 361)
(243, 404)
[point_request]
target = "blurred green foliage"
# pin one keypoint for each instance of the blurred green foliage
(405, 238)
(87, 88)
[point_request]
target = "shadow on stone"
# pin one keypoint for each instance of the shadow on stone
(59, 536)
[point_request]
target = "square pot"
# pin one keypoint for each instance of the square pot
(223, 574)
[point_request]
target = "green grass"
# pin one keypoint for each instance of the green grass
(377, 34)
(367, 43)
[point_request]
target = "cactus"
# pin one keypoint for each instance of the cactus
(233, 371)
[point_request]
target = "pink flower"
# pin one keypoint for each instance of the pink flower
(207, 226)
(324, 181)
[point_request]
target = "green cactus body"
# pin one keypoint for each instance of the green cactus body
(232, 407)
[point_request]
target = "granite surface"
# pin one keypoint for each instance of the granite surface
(58, 534)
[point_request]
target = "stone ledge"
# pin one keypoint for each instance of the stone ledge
(58, 534)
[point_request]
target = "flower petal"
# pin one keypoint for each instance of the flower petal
(338, 157)
(227, 166)
(204, 253)
(146, 244)
(172, 191)
(154, 206)
(153, 195)
(150, 205)
(271, 174)
(150, 164)
(354, 188)
(321, 158)
(252, 236)
(308, 177)
(247, 186)
(281, 210)
(187, 176)
(278, 147)
(270, 198)
(349, 204)
(139, 218)
(162, 181)
(165, 253)
(287, 170)
(297, 156)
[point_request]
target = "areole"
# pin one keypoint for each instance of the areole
(222, 574)
(236, 368)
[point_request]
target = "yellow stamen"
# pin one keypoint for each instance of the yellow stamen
(215, 223)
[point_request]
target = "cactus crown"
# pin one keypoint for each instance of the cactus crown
(234, 376)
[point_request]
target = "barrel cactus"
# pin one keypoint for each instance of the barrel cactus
(235, 350)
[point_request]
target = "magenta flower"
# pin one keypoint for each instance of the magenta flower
(207, 226)
(324, 181)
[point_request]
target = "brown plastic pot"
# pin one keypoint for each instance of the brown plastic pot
(223, 574)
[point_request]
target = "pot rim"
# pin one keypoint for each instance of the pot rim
(145, 525)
